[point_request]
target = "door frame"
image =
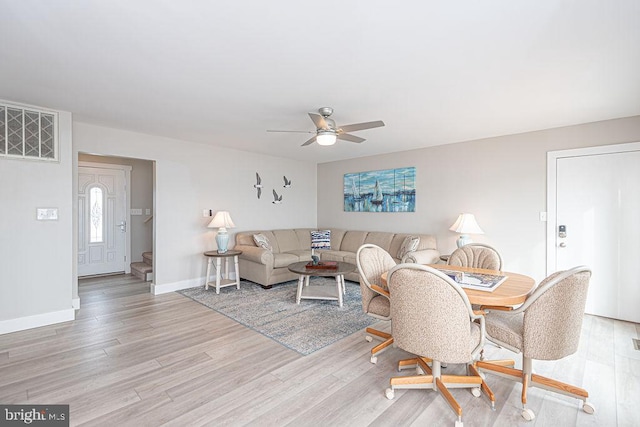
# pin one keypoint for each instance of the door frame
(127, 212)
(552, 159)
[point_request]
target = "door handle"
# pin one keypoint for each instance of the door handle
(562, 245)
(123, 226)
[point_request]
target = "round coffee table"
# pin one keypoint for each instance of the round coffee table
(321, 292)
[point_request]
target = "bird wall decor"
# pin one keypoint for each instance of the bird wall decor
(258, 184)
(276, 199)
(287, 182)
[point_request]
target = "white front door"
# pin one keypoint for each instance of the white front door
(102, 223)
(597, 223)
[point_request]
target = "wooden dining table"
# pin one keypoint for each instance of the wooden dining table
(513, 291)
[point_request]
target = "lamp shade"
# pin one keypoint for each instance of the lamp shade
(326, 138)
(466, 224)
(221, 220)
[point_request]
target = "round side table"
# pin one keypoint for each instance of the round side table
(222, 280)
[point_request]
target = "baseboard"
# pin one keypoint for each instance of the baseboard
(37, 320)
(165, 288)
(75, 303)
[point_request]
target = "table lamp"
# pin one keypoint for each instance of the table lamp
(465, 224)
(222, 220)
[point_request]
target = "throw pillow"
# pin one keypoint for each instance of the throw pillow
(409, 244)
(321, 239)
(262, 241)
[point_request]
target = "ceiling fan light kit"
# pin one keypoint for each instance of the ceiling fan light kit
(325, 137)
(327, 132)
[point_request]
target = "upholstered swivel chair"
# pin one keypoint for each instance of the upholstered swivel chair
(476, 255)
(546, 327)
(433, 319)
(372, 261)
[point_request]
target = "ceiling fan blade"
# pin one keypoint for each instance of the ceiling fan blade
(310, 141)
(351, 138)
(319, 121)
(291, 131)
(361, 126)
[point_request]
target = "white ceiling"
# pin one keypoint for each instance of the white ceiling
(223, 73)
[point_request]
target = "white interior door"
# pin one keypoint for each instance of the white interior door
(102, 220)
(598, 204)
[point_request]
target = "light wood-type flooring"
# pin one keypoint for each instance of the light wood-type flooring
(131, 358)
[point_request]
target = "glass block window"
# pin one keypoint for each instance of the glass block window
(28, 133)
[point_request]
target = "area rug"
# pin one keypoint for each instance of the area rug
(274, 313)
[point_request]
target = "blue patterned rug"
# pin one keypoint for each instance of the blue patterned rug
(305, 328)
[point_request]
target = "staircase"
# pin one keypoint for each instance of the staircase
(143, 270)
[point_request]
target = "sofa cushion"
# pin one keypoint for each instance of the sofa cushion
(351, 257)
(427, 241)
(336, 238)
(302, 254)
(287, 240)
(283, 259)
(352, 240)
(304, 238)
(381, 239)
(321, 239)
(262, 241)
(331, 255)
(246, 238)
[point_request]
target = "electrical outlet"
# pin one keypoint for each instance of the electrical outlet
(147, 211)
(543, 216)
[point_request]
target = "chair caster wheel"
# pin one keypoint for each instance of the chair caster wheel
(588, 408)
(528, 414)
(369, 338)
(374, 359)
(389, 393)
(476, 392)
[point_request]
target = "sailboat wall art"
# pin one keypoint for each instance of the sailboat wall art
(388, 190)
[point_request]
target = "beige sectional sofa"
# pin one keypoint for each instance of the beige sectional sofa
(288, 246)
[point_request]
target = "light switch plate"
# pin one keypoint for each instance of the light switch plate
(47, 214)
(147, 211)
(136, 211)
(543, 216)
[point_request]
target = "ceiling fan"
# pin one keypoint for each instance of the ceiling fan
(327, 132)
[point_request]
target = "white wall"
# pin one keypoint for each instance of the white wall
(35, 256)
(192, 177)
(501, 180)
